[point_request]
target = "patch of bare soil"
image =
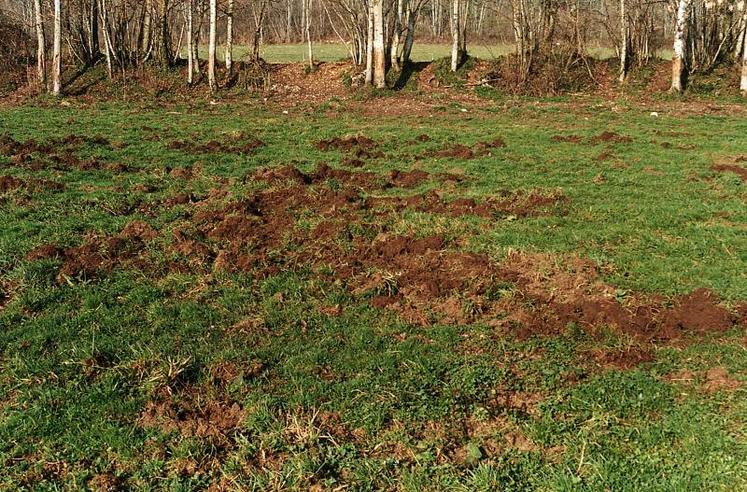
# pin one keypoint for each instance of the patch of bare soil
(518, 203)
(193, 414)
(358, 148)
(58, 154)
(44, 252)
(292, 81)
(719, 379)
(610, 137)
(245, 146)
(459, 151)
(99, 254)
(105, 482)
(575, 139)
(731, 168)
(10, 183)
(573, 293)
(626, 358)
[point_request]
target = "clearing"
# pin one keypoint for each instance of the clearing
(461, 293)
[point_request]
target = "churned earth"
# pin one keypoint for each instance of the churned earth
(510, 295)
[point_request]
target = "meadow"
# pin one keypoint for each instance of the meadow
(510, 295)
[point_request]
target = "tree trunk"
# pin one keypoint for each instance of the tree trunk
(308, 35)
(41, 51)
(190, 44)
(369, 44)
(57, 50)
(743, 82)
(211, 46)
(455, 42)
(164, 49)
(94, 27)
(379, 55)
(678, 57)
(394, 57)
(623, 42)
(147, 28)
(410, 38)
(107, 44)
(229, 37)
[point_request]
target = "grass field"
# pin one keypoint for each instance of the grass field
(171, 318)
(329, 52)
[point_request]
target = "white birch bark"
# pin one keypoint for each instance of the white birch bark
(455, 35)
(623, 42)
(678, 57)
(369, 44)
(743, 81)
(190, 43)
(57, 50)
(211, 46)
(41, 52)
(308, 34)
(229, 37)
(379, 55)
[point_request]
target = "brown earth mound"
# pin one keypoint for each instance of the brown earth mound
(99, 254)
(610, 137)
(214, 146)
(731, 168)
(192, 416)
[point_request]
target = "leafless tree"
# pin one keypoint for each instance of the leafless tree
(57, 50)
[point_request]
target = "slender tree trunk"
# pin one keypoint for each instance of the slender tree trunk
(57, 50)
(410, 38)
(211, 45)
(288, 20)
(743, 82)
(164, 48)
(678, 57)
(94, 27)
(455, 44)
(190, 44)
(623, 42)
(107, 43)
(308, 35)
(147, 28)
(41, 45)
(379, 55)
(394, 58)
(369, 44)
(229, 37)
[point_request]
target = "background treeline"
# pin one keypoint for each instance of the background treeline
(378, 34)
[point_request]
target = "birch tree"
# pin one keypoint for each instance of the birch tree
(369, 44)
(678, 57)
(190, 42)
(211, 46)
(743, 81)
(57, 50)
(379, 55)
(623, 42)
(229, 37)
(308, 34)
(455, 43)
(41, 45)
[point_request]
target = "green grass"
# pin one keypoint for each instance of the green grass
(421, 52)
(364, 399)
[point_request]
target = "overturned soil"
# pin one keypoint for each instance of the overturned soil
(731, 168)
(334, 222)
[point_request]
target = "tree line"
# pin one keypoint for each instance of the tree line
(379, 34)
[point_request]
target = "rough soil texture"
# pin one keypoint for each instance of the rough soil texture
(423, 280)
(58, 154)
(731, 168)
(192, 414)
